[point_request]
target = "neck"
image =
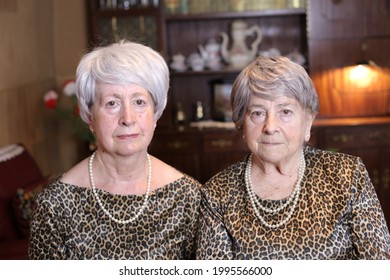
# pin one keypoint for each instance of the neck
(121, 175)
(275, 181)
(283, 168)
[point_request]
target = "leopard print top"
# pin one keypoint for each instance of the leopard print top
(69, 223)
(338, 215)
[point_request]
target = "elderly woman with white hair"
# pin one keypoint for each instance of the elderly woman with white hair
(121, 202)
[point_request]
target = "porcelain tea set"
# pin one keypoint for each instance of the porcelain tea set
(212, 54)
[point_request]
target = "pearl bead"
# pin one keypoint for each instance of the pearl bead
(293, 198)
(119, 221)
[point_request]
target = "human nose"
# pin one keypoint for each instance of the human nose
(270, 124)
(128, 116)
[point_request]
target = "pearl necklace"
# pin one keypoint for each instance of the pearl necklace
(100, 202)
(293, 198)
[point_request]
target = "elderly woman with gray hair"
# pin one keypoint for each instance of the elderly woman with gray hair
(287, 200)
(121, 202)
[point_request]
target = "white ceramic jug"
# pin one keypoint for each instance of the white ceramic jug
(240, 55)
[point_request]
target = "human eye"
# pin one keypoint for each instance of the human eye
(257, 115)
(287, 112)
(140, 102)
(111, 104)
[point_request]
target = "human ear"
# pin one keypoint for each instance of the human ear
(309, 122)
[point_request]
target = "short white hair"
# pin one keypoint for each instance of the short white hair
(122, 63)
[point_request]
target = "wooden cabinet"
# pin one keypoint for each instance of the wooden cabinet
(284, 29)
(329, 19)
(172, 29)
(378, 17)
(202, 153)
(368, 138)
(110, 20)
(199, 153)
(332, 35)
(182, 150)
(346, 19)
(342, 34)
(221, 149)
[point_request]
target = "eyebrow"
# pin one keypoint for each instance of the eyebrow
(118, 95)
(281, 105)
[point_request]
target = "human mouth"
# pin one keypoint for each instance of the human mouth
(127, 136)
(269, 143)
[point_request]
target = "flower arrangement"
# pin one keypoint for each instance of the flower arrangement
(68, 110)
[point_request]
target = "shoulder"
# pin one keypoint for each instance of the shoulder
(227, 181)
(165, 174)
(77, 175)
(57, 195)
(333, 170)
(330, 160)
(57, 188)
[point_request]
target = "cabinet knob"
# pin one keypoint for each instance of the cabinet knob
(375, 179)
(386, 178)
(177, 145)
(374, 136)
(343, 138)
(222, 143)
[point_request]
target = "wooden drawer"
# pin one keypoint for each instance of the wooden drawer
(355, 137)
(176, 143)
(229, 141)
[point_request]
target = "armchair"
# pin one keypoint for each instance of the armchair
(20, 182)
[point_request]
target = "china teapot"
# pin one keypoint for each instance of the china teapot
(240, 55)
(196, 62)
(210, 54)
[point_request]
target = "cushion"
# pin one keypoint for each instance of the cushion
(8, 228)
(24, 204)
(16, 249)
(17, 170)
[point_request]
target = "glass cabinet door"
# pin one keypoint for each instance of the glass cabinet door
(142, 29)
(112, 20)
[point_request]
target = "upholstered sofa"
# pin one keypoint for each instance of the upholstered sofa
(20, 182)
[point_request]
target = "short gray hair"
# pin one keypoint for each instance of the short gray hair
(122, 63)
(269, 78)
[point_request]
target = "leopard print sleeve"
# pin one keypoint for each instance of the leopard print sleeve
(369, 230)
(214, 241)
(45, 237)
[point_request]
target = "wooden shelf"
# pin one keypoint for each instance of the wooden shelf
(133, 12)
(230, 15)
(221, 71)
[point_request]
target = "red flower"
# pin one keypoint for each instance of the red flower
(68, 110)
(50, 99)
(69, 87)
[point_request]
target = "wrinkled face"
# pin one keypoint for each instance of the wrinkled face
(123, 118)
(276, 130)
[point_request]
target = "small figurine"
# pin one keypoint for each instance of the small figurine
(178, 62)
(180, 115)
(199, 112)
